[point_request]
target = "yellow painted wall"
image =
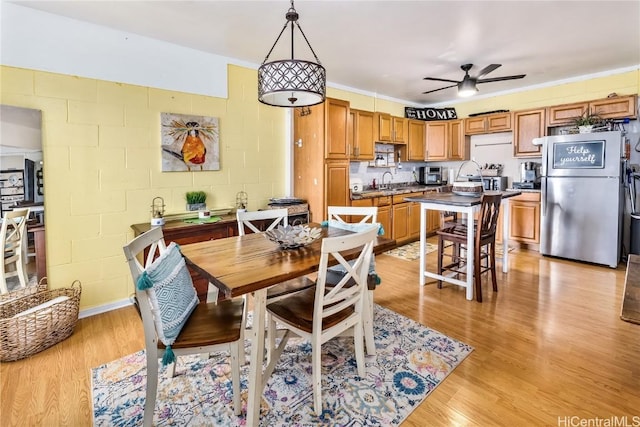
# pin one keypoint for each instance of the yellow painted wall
(101, 146)
(102, 165)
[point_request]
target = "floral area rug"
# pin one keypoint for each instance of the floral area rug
(411, 361)
(411, 251)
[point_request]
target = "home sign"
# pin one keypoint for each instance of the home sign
(429, 114)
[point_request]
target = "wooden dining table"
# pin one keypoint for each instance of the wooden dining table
(250, 264)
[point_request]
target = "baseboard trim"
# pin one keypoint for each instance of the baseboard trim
(104, 308)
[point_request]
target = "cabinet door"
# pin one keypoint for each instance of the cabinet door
(524, 225)
(474, 125)
(615, 108)
(437, 140)
(458, 142)
(416, 140)
(336, 186)
(560, 115)
(399, 126)
(384, 129)
(364, 135)
(527, 126)
(400, 227)
(499, 122)
(336, 123)
(384, 218)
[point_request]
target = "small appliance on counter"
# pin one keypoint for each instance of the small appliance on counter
(529, 176)
(492, 183)
(430, 175)
(355, 184)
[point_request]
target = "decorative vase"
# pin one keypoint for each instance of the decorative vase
(196, 206)
(585, 128)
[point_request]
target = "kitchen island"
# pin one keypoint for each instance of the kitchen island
(466, 205)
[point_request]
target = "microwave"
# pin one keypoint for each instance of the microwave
(430, 175)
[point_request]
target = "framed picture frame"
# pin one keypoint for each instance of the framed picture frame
(189, 142)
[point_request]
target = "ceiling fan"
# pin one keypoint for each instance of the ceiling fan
(467, 86)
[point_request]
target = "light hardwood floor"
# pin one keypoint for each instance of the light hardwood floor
(548, 346)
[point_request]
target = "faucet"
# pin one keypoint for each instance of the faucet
(383, 175)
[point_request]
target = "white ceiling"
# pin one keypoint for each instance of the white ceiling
(387, 47)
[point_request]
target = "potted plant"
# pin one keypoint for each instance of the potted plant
(586, 121)
(196, 200)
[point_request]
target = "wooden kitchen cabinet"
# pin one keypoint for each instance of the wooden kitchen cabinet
(336, 185)
(524, 224)
(528, 125)
(416, 140)
(615, 108)
(321, 161)
(400, 222)
(336, 129)
(445, 140)
(390, 129)
(362, 135)
(500, 122)
(562, 115)
(608, 108)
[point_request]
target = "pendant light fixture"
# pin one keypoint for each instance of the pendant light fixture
(291, 82)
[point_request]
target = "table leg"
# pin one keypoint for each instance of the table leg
(423, 242)
(470, 254)
(505, 235)
(256, 384)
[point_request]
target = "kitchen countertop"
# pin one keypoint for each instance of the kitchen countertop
(370, 193)
(524, 190)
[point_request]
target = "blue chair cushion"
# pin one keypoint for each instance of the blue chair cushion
(172, 295)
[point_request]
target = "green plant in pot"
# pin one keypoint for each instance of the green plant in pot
(587, 121)
(196, 200)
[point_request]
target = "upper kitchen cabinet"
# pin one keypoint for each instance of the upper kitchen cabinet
(528, 125)
(608, 108)
(336, 129)
(390, 129)
(416, 140)
(500, 122)
(445, 140)
(616, 107)
(362, 135)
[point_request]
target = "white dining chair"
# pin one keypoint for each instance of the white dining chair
(350, 215)
(322, 313)
(250, 220)
(211, 327)
(12, 241)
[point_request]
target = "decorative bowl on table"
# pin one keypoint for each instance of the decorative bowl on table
(294, 236)
(473, 189)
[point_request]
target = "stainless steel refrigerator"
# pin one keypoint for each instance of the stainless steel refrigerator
(582, 197)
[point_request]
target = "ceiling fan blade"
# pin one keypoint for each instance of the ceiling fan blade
(486, 70)
(499, 79)
(435, 90)
(441, 80)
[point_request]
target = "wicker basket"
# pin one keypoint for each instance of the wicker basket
(21, 292)
(24, 335)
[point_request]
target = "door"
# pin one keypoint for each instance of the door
(575, 227)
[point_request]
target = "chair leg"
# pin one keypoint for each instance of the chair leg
(358, 341)
(3, 285)
(152, 387)
(22, 273)
(492, 263)
(368, 323)
(234, 350)
(440, 255)
(476, 273)
(271, 337)
(171, 369)
(316, 371)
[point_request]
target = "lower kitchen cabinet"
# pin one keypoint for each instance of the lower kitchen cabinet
(524, 220)
(400, 219)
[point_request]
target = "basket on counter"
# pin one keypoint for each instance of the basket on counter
(32, 321)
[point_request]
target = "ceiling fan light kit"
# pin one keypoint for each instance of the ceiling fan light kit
(291, 82)
(467, 86)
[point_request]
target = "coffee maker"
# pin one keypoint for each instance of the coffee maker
(529, 175)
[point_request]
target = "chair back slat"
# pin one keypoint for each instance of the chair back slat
(489, 213)
(366, 214)
(246, 219)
